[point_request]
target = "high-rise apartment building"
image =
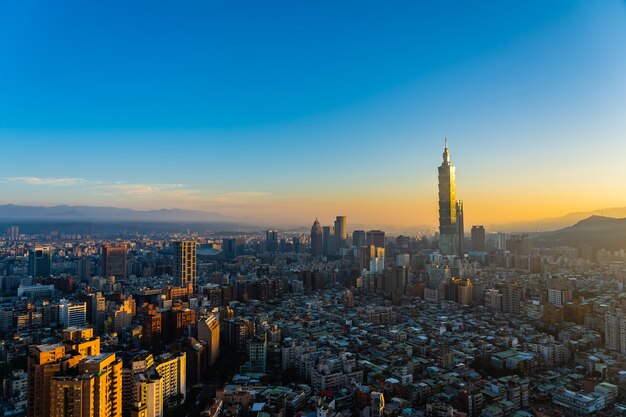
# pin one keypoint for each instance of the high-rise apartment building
(173, 369)
(317, 239)
(107, 371)
(448, 232)
(44, 361)
(185, 262)
(341, 233)
(72, 396)
(63, 381)
(114, 261)
(13, 233)
(479, 240)
(615, 330)
(39, 261)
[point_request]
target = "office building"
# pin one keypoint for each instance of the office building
(233, 247)
(376, 238)
(479, 239)
(460, 226)
(72, 314)
(316, 239)
(39, 261)
(448, 232)
(359, 238)
(271, 240)
(341, 233)
(185, 262)
(328, 243)
(114, 261)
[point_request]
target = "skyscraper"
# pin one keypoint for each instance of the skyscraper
(185, 262)
(447, 206)
(316, 239)
(359, 238)
(233, 247)
(376, 238)
(114, 261)
(13, 233)
(478, 238)
(328, 243)
(39, 261)
(271, 240)
(340, 233)
(209, 333)
(460, 228)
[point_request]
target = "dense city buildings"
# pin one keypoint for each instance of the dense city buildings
(335, 322)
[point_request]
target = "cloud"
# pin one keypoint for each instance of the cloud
(46, 181)
(133, 189)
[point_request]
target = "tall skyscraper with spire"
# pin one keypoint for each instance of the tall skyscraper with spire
(448, 232)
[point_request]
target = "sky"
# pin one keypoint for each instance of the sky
(281, 111)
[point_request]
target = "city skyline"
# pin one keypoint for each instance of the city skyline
(526, 96)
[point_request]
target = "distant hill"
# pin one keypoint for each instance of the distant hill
(597, 231)
(557, 223)
(12, 212)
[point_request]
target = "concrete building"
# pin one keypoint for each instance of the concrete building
(209, 333)
(185, 262)
(114, 261)
(40, 261)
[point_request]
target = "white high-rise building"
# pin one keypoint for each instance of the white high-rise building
(615, 330)
(72, 314)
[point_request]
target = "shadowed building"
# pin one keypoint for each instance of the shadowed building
(340, 233)
(316, 239)
(478, 238)
(39, 261)
(114, 261)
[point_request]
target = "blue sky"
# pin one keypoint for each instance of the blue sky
(283, 111)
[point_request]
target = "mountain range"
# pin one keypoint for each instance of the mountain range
(12, 212)
(556, 223)
(596, 231)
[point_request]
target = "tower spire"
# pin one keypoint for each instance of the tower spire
(446, 153)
